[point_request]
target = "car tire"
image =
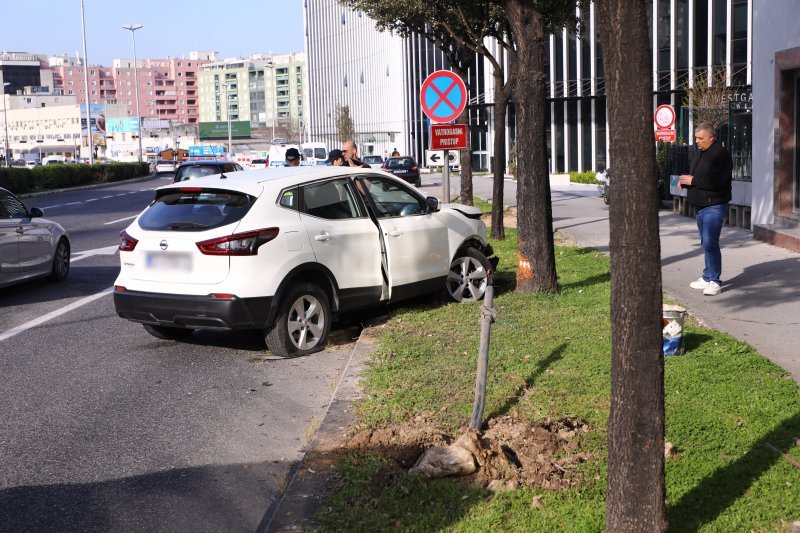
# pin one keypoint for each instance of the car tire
(60, 268)
(168, 333)
(303, 322)
(418, 183)
(468, 275)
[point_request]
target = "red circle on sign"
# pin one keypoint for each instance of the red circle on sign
(441, 97)
(664, 116)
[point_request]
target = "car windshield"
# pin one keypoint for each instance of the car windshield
(194, 171)
(400, 162)
(195, 210)
(373, 159)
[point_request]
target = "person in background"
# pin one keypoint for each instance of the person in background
(708, 187)
(335, 158)
(292, 157)
(395, 153)
(350, 153)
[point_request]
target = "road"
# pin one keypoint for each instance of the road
(106, 428)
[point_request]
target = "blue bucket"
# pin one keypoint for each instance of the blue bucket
(672, 318)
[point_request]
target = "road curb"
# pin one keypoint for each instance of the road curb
(305, 485)
(85, 187)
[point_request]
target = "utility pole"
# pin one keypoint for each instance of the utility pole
(86, 90)
(132, 28)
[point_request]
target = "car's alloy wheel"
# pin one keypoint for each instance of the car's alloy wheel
(60, 268)
(468, 276)
(167, 333)
(303, 322)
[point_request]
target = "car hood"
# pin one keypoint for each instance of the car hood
(467, 210)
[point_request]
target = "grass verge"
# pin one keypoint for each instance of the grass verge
(550, 356)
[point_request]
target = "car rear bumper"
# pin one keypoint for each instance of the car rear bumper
(411, 177)
(197, 312)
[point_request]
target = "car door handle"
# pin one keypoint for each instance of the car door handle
(395, 233)
(325, 236)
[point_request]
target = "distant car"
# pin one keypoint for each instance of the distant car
(257, 163)
(195, 169)
(165, 166)
(373, 160)
(30, 246)
(404, 168)
(32, 164)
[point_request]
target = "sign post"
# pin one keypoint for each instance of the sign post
(444, 96)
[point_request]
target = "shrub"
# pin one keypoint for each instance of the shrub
(587, 176)
(61, 176)
(16, 180)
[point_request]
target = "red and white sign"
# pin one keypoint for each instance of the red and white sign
(448, 136)
(664, 117)
(443, 96)
(667, 136)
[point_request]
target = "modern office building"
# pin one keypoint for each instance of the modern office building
(21, 69)
(265, 90)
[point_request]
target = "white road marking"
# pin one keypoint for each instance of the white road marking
(52, 206)
(106, 250)
(50, 316)
(92, 199)
(74, 203)
(121, 194)
(120, 220)
(109, 196)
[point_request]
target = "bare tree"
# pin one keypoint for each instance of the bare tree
(344, 124)
(635, 496)
(708, 102)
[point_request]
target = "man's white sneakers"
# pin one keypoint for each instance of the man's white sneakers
(700, 284)
(713, 289)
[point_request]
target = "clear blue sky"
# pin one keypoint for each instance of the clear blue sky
(171, 28)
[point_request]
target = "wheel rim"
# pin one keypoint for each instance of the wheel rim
(466, 280)
(306, 322)
(61, 261)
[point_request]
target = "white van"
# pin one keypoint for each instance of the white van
(277, 154)
(54, 159)
(314, 153)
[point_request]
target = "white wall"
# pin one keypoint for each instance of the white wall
(772, 31)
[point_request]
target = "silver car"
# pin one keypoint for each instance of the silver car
(30, 246)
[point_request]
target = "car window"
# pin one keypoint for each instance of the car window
(391, 198)
(195, 210)
(195, 171)
(400, 162)
(12, 206)
(320, 153)
(288, 199)
(330, 199)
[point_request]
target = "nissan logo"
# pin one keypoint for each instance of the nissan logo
(164, 244)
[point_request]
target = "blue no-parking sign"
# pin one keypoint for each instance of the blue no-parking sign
(443, 96)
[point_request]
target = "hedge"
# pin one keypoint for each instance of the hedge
(586, 176)
(62, 176)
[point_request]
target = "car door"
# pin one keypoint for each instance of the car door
(9, 247)
(416, 242)
(345, 240)
(33, 235)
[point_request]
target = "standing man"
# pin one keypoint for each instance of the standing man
(708, 187)
(350, 153)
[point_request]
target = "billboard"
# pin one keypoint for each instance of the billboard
(97, 116)
(155, 124)
(122, 125)
(219, 130)
(208, 151)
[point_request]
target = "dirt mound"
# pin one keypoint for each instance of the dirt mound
(509, 454)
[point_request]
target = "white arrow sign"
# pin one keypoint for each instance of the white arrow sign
(435, 158)
(108, 250)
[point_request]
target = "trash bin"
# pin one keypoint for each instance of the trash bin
(672, 316)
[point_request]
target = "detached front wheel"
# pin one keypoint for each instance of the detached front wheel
(468, 276)
(303, 322)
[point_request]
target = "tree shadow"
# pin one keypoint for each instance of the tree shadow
(541, 366)
(718, 491)
(588, 282)
(693, 341)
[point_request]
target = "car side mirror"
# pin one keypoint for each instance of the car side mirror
(433, 204)
(35, 212)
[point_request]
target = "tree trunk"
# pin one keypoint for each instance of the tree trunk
(465, 196)
(536, 263)
(635, 497)
(499, 122)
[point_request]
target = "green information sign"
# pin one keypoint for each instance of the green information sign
(219, 130)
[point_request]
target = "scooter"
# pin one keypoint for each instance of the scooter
(604, 188)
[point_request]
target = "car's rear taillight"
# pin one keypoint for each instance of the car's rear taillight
(239, 244)
(126, 242)
(413, 169)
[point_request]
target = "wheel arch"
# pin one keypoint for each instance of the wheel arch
(310, 273)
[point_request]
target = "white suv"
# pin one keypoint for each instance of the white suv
(285, 250)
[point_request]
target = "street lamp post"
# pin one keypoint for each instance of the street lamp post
(86, 90)
(274, 99)
(5, 124)
(228, 112)
(132, 28)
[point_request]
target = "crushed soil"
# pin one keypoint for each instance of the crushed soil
(511, 453)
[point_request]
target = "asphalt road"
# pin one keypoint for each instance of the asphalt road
(105, 428)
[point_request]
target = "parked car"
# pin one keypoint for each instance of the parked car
(405, 168)
(32, 164)
(30, 246)
(373, 160)
(195, 169)
(286, 250)
(257, 163)
(165, 165)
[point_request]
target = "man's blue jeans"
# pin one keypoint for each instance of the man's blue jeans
(709, 223)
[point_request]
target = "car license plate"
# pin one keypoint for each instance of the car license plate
(400, 171)
(169, 262)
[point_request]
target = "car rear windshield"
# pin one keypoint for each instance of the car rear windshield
(400, 162)
(166, 162)
(195, 210)
(195, 171)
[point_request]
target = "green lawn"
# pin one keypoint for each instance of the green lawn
(550, 356)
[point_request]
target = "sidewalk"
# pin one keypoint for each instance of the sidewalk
(760, 300)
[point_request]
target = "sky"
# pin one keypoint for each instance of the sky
(171, 29)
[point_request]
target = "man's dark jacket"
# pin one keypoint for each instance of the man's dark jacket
(711, 181)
